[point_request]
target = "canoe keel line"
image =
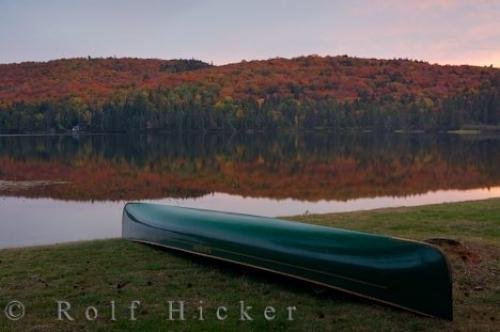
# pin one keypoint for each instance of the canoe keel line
(410, 275)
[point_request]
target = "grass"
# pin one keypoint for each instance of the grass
(94, 273)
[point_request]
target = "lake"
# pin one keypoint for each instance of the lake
(67, 188)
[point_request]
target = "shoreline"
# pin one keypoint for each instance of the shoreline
(106, 223)
(472, 130)
(95, 272)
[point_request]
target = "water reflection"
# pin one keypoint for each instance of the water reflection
(305, 167)
(62, 188)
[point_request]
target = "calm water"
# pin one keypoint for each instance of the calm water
(63, 188)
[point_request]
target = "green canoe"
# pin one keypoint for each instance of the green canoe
(407, 274)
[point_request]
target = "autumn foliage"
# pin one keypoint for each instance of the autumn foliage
(304, 92)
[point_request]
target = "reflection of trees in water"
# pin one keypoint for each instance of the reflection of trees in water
(307, 166)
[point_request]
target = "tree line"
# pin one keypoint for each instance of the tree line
(198, 107)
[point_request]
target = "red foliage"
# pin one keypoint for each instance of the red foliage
(341, 77)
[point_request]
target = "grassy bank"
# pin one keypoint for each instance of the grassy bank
(94, 273)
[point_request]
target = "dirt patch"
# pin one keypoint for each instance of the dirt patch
(475, 266)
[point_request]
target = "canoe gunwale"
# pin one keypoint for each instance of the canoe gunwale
(195, 253)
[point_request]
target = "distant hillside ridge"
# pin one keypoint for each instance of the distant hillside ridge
(309, 92)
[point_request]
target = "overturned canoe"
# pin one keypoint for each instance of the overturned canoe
(407, 274)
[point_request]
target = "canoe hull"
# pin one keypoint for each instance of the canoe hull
(407, 274)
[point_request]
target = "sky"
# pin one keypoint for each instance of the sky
(226, 31)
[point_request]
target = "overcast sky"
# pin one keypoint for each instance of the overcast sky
(442, 31)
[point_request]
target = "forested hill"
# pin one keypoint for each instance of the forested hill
(330, 93)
